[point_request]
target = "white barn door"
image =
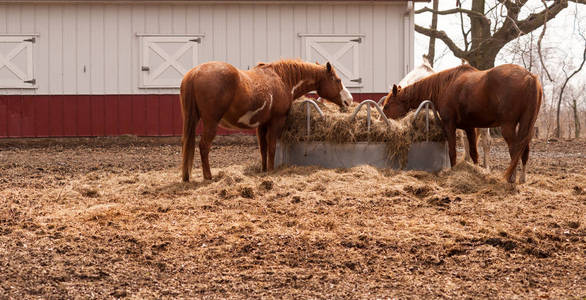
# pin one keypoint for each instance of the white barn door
(16, 62)
(341, 51)
(165, 59)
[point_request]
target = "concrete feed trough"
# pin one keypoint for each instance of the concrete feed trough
(426, 155)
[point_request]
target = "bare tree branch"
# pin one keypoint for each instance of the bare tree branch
(539, 42)
(483, 43)
(558, 129)
(534, 21)
(464, 33)
(444, 38)
(452, 11)
(511, 26)
(431, 48)
(511, 19)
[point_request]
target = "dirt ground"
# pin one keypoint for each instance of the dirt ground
(99, 218)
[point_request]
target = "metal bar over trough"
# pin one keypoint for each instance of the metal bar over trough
(427, 156)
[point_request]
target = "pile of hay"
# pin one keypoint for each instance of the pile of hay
(337, 127)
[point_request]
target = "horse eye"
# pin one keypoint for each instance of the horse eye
(338, 80)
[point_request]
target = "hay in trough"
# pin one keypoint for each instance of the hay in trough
(338, 127)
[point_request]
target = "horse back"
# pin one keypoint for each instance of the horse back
(488, 98)
(512, 86)
(215, 76)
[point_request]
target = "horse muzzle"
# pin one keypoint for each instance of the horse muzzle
(346, 97)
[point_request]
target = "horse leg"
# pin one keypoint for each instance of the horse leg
(205, 142)
(451, 132)
(524, 159)
(273, 133)
(472, 144)
(510, 136)
(486, 141)
(261, 133)
(464, 140)
(525, 134)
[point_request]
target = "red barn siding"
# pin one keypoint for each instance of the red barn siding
(98, 115)
(56, 112)
(69, 115)
(124, 116)
(14, 119)
(3, 117)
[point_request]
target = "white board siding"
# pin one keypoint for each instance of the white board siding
(102, 38)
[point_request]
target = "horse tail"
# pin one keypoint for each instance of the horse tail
(190, 118)
(527, 122)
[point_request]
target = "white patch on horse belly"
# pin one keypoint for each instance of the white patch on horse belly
(271, 102)
(296, 86)
(245, 119)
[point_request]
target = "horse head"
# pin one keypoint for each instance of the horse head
(330, 87)
(395, 105)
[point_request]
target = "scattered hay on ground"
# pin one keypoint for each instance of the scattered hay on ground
(298, 232)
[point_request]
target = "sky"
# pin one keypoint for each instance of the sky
(561, 34)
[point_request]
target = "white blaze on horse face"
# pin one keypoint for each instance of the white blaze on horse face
(296, 86)
(345, 96)
(245, 119)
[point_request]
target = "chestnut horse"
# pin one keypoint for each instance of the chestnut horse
(220, 94)
(483, 134)
(508, 96)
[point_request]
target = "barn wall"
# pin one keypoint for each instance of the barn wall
(92, 49)
(98, 115)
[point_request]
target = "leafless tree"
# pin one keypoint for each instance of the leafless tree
(575, 97)
(567, 79)
(431, 48)
(486, 36)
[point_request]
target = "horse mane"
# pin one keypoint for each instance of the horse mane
(432, 85)
(291, 70)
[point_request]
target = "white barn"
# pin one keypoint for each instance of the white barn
(110, 67)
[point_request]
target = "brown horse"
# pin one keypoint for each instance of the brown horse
(507, 96)
(220, 94)
(424, 70)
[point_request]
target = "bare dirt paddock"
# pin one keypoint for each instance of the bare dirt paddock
(102, 218)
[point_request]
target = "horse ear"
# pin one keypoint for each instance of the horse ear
(317, 62)
(395, 90)
(329, 66)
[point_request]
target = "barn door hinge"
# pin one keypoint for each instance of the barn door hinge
(358, 40)
(357, 80)
(32, 81)
(32, 40)
(197, 40)
(145, 68)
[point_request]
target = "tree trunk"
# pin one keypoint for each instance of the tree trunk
(483, 58)
(558, 127)
(476, 25)
(576, 119)
(431, 49)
